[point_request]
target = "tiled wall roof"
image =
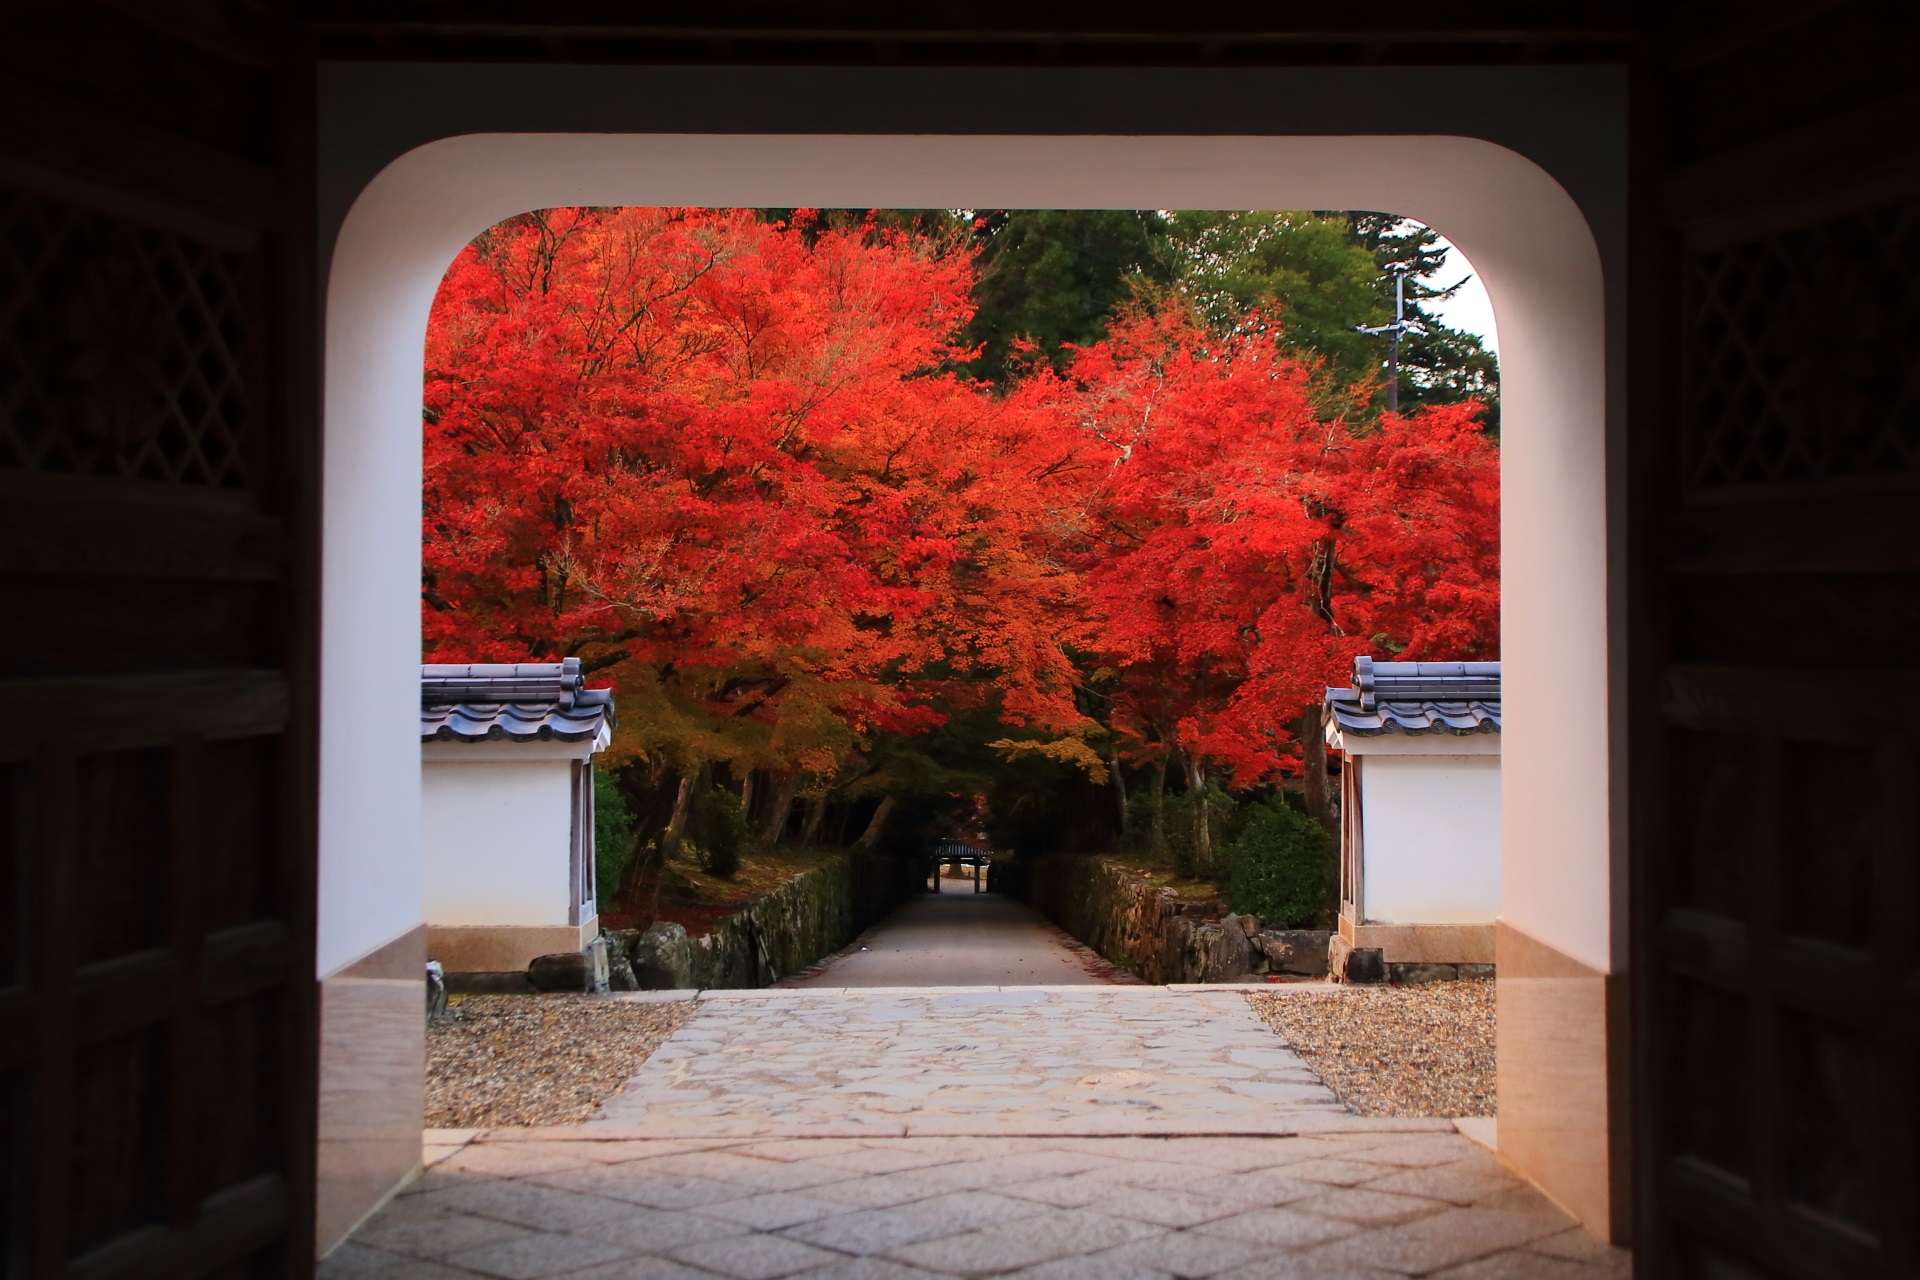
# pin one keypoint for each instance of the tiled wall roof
(520, 701)
(1418, 697)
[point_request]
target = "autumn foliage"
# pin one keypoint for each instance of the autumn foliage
(726, 467)
(1245, 546)
(734, 465)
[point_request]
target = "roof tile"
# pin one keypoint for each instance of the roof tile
(1458, 698)
(519, 702)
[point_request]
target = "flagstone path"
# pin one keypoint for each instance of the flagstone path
(1109, 1133)
(1338, 1206)
(1011, 1060)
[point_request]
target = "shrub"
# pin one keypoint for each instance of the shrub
(612, 833)
(1282, 868)
(1137, 837)
(720, 829)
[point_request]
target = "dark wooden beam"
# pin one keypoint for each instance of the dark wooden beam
(1005, 23)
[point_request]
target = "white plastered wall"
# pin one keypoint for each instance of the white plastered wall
(1431, 839)
(1518, 227)
(497, 846)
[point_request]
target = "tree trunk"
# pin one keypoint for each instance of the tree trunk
(639, 889)
(871, 836)
(640, 871)
(782, 806)
(746, 793)
(1202, 829)
(1316, 788)
(1119, 788)
(682, 806)
(1157, 838)
(816, 811)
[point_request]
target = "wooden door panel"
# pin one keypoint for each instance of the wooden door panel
(156, 856)
(1777, 990)
(1783, 995)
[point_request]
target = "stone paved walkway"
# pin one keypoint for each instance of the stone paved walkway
(961, 938)
(1098, 1132)
(1353, 1206)
(1064, 1060)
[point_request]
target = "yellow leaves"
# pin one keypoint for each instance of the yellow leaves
(1068, 751)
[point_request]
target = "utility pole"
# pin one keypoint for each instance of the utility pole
(1393, 332)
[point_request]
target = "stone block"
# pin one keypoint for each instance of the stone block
(1301, 951)
(436, 991)
(1348, 963)
(620, 943)
(596, 953)
(1175, 947)
(1365, 964)
(1231, 956)
(620, 976)
(583, 970)
(662, 959)
(562, 971)
(1476, 970)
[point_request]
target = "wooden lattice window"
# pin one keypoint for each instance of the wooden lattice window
(122, 348)
(1799, 358)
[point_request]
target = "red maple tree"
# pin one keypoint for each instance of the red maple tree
(729, 465)
(1246, 543)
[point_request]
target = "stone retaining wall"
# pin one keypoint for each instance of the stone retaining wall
(1152, 932)
(781, 932)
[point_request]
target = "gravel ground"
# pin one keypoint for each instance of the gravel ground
(1422, 1050)
(552, 1059)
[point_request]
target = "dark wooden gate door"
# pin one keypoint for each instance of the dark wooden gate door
(156, 972)
(1775, 759)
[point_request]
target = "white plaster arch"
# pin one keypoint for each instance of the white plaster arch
(1519, 227)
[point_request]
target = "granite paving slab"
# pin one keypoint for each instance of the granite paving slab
(907, 1061)
(906, 1208)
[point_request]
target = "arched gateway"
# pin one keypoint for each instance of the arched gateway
(404, 186)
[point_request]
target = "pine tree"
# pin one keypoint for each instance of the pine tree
(1053, 277)
(1313, 277)
(1438, 364)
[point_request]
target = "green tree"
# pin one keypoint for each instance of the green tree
(1438, 364)
(1052, 277)
(1305, 272)
(1317, 275)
